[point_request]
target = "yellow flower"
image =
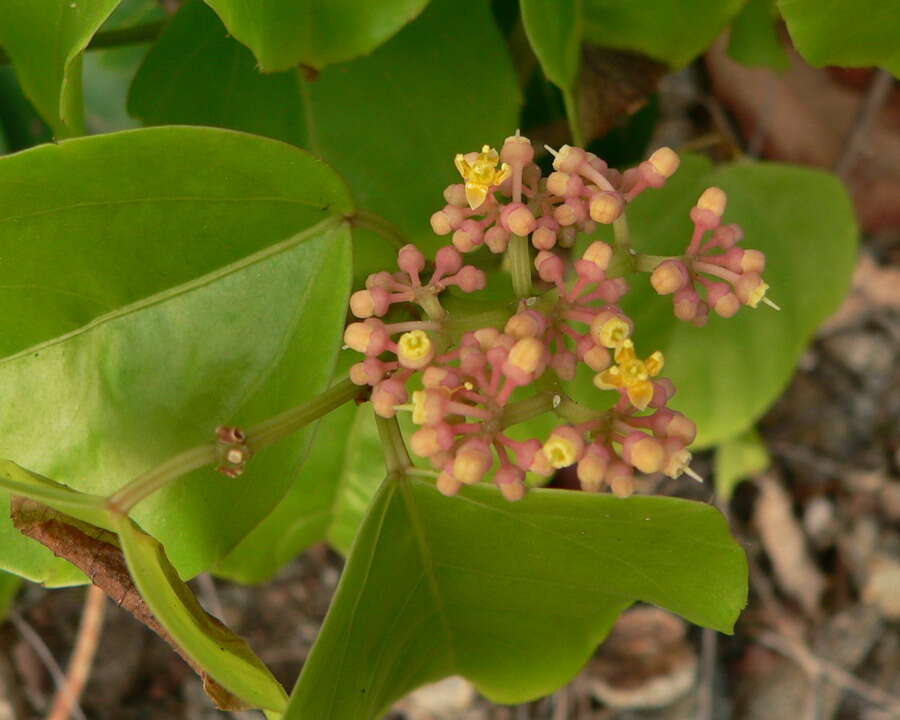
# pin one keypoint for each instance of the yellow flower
(415, 349)
(632, 374)
(481, 175)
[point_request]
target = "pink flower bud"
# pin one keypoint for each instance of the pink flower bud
(723, 301)
(605, 207)
(598, 253)
(386, 395)
(670, 423)
(383, 280)
(566, 236)
(727, 236)
(448, 260)
(511, 481)
(445, 221)
(410, 259)
(702, 316)
(750, 289)
(362, 304)
(753, 261)
(643, 452)
(497, 239)
(470, 278)
(368, 337)
(471, 360)
(526, 360)
(368, 372)
(565, 364)
(669, 276)
(597, 358)
(620, 479)
(663, 391)
(438, 377)
(544, 236)
(517, 219)
(528, 323)
(359, 374)
(455, 195)
(517, 151)
(565, 184)
(704, 218)
(686, 303)
(665, 161)
(591, 469)
(447, 484)
(468, 237)
(569, 159)
(713, 199)
(611, 290)
(473, 459)
(572, 211)
(549, 266)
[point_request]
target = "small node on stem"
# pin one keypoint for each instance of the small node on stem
(233, 453)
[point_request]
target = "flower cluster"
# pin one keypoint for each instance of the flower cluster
(496, 203)
(464, 390)
(735, 274)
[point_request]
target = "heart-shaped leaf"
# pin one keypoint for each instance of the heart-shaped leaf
(513, 597)
(45, 39)
(287, 33)
(112, 219)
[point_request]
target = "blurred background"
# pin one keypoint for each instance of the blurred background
(814, 499)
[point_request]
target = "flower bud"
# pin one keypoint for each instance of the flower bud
(669, 276)
(517, 219)
(386, 395)
(368, 337)
(445, 221)
(722, 300)
(566, 236)
(447, 484)
(455, 195)
(686, 303)
(429, 406)
(529, 323)
(368, 372)
(410, 259)
(415, 349)
(591, 469)
(713, 199)
(569, 159)
(517, 150)
(605, 206)
(550, 267)
(663, 391)
(544, 235)
(572, 211)
(470, 279)
(598, 253)
(665, 161)
(752, 261)
(702, 316)
(472, 461)
(383, 280)
(511, 481)
(597, 358)
(447, 260)
(362, 304)
(439, 377)
(468, 237)
(620, 479)
(526, 360)
(677, 458)
(497, 239)
(564, 364)
(727, 236)
(564, 447)
(672, 424)
(564, 184)
(750, 289)
(643, 452)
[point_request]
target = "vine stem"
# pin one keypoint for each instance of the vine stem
(620, 232)
(380, 226)
(259, 437)
(396, 457)
(520, 265)
(115, 38)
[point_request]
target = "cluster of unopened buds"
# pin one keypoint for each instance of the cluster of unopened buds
(464, 390)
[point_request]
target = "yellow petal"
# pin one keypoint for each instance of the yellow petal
(462, 165)
(504, 172)
(608, 379)
(625, 352)
(475, 195)
(655, 363)
(640, 394)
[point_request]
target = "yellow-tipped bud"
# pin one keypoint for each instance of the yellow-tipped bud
(610, 329)
(564, 447)
(647, 455)
(598, 253)
(522, 325)
(415, 349)
(665, 161)
(606, 207)
(591, 472)
(622, 486)
(447, 484)
(751, 289)
(424, 442)
(472, 462)
(527, 355)
(714, 200)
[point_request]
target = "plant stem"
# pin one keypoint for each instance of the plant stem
(649, 263)
(377, 224)
(259, 437)
(520, 265)
(574, 412)
(116, 38)
(396, 458)
(488, 318)
(57, 497)
(523, 410)
(620, 232)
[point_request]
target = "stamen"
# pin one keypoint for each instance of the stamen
(694, 476)
(771, 304)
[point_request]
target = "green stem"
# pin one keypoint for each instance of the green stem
(620, 232)
(573, 118)
(259, 437)
(488, 318)
(524, 410)
(57, 497)
(574, 412)
(377, 224)
(649, 263)
(520, 265)
(396, 458)
(116, 38)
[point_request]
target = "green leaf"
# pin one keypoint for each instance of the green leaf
(852, 34)
(514, 597)
(754, 39)
(739, 459)
(326, 501)
(45, 39)
(196, 74)
(673, 31)
(554, 31)
(287, 33)
(225, 656)
(21, 124)
(9, 588)
(138, 226)
(729, 372)
(443, 85)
